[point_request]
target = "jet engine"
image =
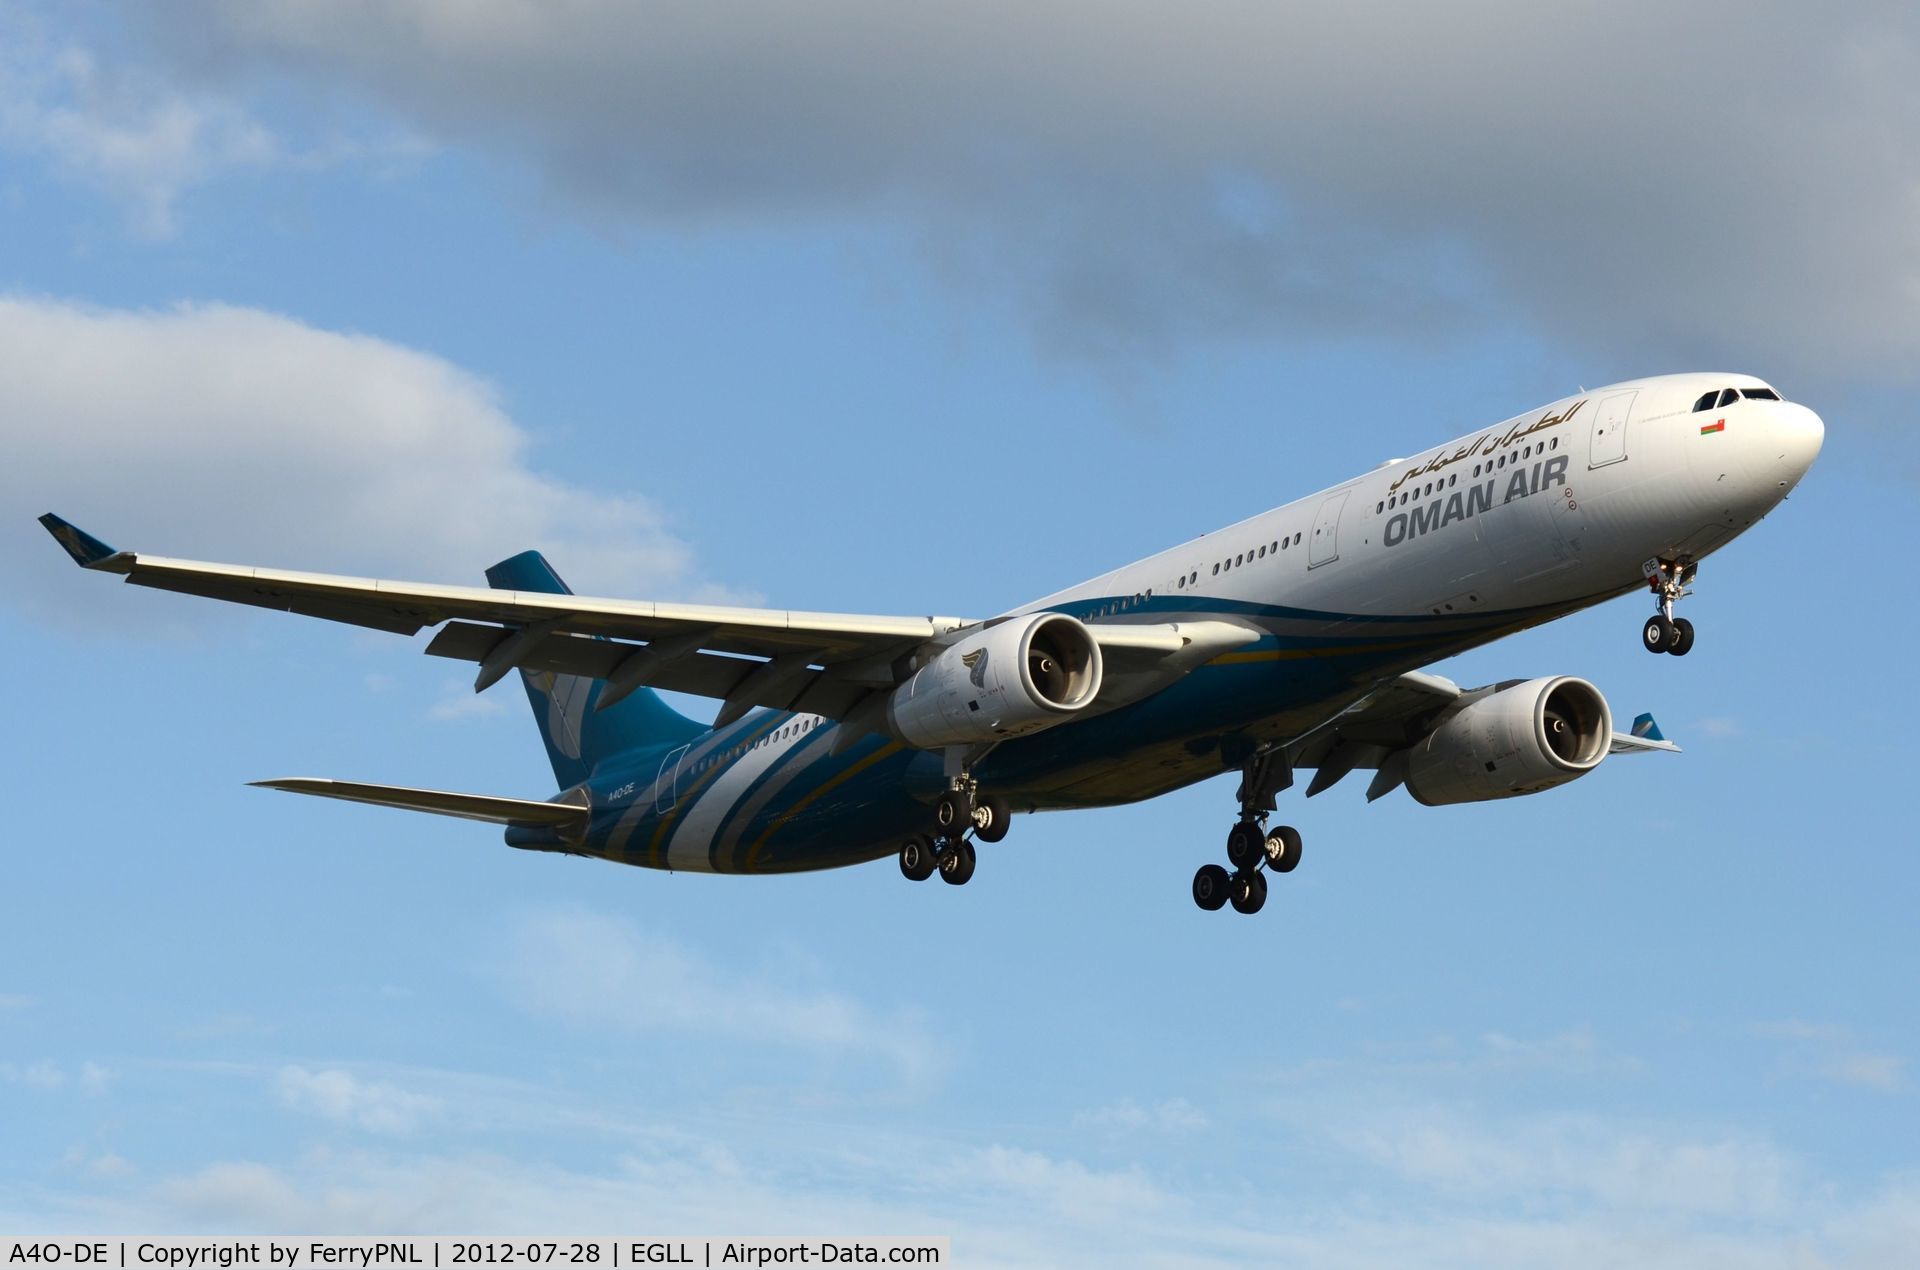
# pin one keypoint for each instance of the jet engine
(1519, 739)
(1006, 680)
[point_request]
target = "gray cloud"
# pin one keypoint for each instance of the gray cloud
(1651, 184)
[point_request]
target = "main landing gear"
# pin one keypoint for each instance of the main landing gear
(1663, 632)
(1252, 850)
(961, 817)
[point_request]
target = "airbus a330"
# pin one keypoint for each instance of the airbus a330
(1290, 642)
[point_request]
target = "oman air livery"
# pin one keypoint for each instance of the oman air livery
(1289, 642)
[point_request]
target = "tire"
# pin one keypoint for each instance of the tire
(992, 818)
(1243, 844)
(917, 860)
(1249, 892)
(1658, 635)
(956, 866)
(1683, 640)
(954, 812)
(1282, 849)
(1210, 887)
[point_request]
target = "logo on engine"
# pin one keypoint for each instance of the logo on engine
(976, 664)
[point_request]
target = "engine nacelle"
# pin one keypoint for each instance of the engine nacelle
(1520, 739)
(1023, 675)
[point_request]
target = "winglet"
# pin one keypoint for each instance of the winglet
(87, 551)
(1645, 728)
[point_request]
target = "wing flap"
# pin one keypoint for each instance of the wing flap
(564, 816)
(698, 674)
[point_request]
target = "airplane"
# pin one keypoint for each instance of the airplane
(1290, 641)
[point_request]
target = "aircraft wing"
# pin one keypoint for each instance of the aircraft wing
(818, 663)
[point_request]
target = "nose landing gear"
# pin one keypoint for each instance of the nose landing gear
(1663, 632)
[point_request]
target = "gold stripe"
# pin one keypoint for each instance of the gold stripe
(671, 818)
(1301, 654)
(885, 751)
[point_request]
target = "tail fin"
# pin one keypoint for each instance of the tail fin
(579, 737)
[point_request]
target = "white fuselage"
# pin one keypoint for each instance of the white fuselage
(1507, 527)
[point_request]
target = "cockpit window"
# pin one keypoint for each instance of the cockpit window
(1706, 401)
(1728, 396)
(1762, 394)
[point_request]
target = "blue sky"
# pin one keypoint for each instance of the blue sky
(877, 310)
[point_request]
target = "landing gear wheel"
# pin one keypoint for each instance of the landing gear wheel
(1282, 849)
(917, 858)
(1659, 635)
(1210, 887)
(956, 866)
(991, 818)
(954, 812)
(1248, 891)
(1683, 637)
(1243, 844)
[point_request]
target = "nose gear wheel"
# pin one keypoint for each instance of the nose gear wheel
(1663, 632)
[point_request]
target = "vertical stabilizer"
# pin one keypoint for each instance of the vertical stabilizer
(578, 737)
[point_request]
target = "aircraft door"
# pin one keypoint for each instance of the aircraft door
(1323, 547)
(1608, 443)
(666, 794)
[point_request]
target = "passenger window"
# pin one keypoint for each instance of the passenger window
(1216, 570)
(1296, 539)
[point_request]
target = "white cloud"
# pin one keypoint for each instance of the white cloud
(1343, 1186)
(14, 1001)
(600, 972)
(41, 1074)
(1001, 1205)
(1173, 1115)
(1133, 175)
(1884, 1072)
(141, 143)
(241, 435)
(336, 1094)
(1581, 1159)
(108, 120)
(1830, 1052)
(89, 1078)
(459, 701)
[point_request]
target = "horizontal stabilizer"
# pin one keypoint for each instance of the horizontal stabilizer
(1646, 736)
(565, 818)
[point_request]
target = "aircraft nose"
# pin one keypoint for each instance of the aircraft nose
(1797, 437)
